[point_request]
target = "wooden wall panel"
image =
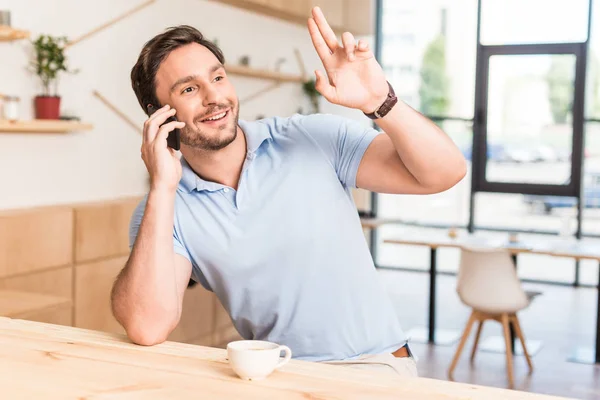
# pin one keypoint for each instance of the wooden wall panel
(93, 283)
(102, 229)
(57, 282)
(197, 315)
(16, 304)
(61, 315)
(35, 239)
(224, 330)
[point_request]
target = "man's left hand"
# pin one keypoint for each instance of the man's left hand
(355, 78)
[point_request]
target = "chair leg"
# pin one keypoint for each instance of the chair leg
(519, 333)
(463, 340)
(507, 341)
(477, 335)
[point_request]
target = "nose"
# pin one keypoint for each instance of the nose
(212, 96)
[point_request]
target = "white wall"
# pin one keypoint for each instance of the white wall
(104, 163)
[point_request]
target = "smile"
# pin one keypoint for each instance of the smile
(216, 117)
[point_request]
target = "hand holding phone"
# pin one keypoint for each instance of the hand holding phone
(174, 138)
(163, 164)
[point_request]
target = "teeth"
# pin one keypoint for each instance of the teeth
(218, 116)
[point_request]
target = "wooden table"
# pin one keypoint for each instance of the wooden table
(43, 361)
(550, 247)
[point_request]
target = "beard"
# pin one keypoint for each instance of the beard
(212, 139)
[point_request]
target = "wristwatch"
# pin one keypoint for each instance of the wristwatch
(388, 104)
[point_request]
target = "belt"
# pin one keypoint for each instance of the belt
(402, 352)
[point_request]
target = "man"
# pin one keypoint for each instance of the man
(261, 212)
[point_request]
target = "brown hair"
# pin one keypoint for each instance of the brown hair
(143, 73)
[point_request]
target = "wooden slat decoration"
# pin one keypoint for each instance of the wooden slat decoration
(35, 239)
(242, 70)
(109, 23)
(119, 113)
(102, 229)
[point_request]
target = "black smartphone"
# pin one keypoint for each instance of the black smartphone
(174, 138)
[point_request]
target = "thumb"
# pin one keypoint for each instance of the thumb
(322, 85)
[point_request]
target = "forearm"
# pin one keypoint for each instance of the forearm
(425, 150)
(145, 298)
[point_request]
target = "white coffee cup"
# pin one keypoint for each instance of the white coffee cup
(256, 359)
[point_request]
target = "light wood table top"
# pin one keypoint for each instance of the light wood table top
(551, 246)
(58, 362)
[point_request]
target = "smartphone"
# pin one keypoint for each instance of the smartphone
(174, 138)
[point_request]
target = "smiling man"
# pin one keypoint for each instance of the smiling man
(261, 212)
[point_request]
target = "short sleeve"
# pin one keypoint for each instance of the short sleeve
(343, 141)
(134, 227)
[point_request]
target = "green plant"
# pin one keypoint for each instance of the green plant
(311, 91)
(435, 85)
(48, 60)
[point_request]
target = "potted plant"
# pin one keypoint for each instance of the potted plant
(313, 94)
(49, 59)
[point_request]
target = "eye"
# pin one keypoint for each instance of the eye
(187, 90)
(219, 78)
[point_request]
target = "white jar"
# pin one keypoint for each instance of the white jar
(11, 108)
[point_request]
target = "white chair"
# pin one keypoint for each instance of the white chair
(488, 283)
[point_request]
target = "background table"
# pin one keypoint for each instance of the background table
(551, 247)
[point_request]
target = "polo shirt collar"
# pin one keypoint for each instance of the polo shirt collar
(256, 133)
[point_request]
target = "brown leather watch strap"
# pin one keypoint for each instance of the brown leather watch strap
(387, 105)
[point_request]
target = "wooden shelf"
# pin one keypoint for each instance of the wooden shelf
(268, 10)
(43, 126)
(8, 34)
(262, 74)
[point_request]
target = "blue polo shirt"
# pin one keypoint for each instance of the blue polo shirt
(285, 253)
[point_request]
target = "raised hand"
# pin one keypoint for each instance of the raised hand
(354, 77)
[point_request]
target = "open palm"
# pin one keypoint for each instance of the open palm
(355, 78)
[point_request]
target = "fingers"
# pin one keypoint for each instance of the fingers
(322, 85)
(163, 132)
(349, 45)
(320, 45)
(362, 45)
(153, 123)
(326, 32)
(176, 154)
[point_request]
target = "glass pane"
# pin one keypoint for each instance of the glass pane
(591, 180)
(450, 207)
(429, 52)
(592, 86)
(529, 128)
(533, 21)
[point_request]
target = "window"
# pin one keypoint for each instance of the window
(533, 21)
(434, 40)
(529, 114)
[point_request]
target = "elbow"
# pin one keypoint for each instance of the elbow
(144, 330)
(459, 172)
(449, 176)
(147, 335)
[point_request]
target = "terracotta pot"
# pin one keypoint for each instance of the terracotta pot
(47, 107)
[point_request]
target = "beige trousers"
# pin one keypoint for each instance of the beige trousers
(384, 363)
